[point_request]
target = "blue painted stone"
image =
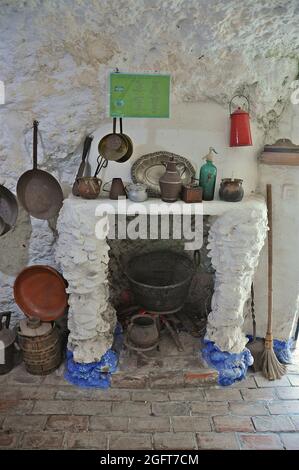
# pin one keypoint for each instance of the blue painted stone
(93, 374)
(282, 349)
(231, 367)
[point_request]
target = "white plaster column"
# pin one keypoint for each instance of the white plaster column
(235, 241)
(84, 262)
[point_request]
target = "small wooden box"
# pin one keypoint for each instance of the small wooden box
(191, 193)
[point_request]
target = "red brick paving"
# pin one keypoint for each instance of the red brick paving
(48, 413)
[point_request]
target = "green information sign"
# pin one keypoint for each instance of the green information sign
(139, 95)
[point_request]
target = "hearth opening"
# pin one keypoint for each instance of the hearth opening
(162, 295)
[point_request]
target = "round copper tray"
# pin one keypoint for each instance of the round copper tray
(40, 292)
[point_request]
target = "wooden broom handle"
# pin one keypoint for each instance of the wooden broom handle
(270, 258)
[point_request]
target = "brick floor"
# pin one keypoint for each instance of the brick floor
(49, 413)
(260, 442)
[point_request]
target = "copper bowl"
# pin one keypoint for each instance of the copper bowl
(231, 190)
(89, 187)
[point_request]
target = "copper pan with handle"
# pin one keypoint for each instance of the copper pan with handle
(130, 144)
(38, 191)
(86, 149)
(116, 147)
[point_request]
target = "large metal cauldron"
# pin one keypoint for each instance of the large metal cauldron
(160, 280)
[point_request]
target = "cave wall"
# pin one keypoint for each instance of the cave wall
(55, 58)
(285, 189)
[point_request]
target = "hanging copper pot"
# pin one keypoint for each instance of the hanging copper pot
(240, 134)
(114, 147)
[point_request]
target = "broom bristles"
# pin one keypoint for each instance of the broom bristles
(271, 367)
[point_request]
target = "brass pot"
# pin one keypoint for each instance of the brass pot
(142, 331)
(116, 147)
(231, 190)
(89, 187)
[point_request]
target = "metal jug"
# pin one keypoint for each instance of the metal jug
(171, 182)
(142, 331)
(7, 344)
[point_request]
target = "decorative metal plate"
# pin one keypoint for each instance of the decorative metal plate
(149, 168)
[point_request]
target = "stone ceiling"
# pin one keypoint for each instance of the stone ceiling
(55, 56)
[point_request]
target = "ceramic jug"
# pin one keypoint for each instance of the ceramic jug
(170, 182)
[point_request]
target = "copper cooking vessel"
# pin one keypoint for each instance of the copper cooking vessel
(231, 190)
(117, 189)
(40, 292)
(113, 146)
(142, 331)
(171, 182)
(89, 187)
(130, 144)
(39, 192)
(86, 149)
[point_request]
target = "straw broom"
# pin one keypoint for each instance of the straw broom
(271, 367)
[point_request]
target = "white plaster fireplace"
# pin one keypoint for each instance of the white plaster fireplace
(236, 237)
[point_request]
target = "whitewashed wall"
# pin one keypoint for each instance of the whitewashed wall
(55, 56)
(190, 131)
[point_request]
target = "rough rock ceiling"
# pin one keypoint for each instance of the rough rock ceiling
(55, 56)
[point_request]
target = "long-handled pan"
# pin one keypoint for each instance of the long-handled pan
(115, 147)
(130, 144)
(86, 148)
(39, 192)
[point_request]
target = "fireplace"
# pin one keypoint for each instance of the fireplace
(233, 233)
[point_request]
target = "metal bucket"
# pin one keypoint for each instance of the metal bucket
(41, 354)
(160, 280)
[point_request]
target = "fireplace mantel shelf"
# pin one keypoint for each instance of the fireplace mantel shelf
(154, 206)
(236, 236)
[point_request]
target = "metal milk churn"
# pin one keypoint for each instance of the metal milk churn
(7, 344)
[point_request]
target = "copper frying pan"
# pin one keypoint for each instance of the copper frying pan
(40, 292)
(113, 146)
(39, 192)
(130, 144)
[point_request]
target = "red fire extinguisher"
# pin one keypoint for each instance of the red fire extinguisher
(240, 134)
